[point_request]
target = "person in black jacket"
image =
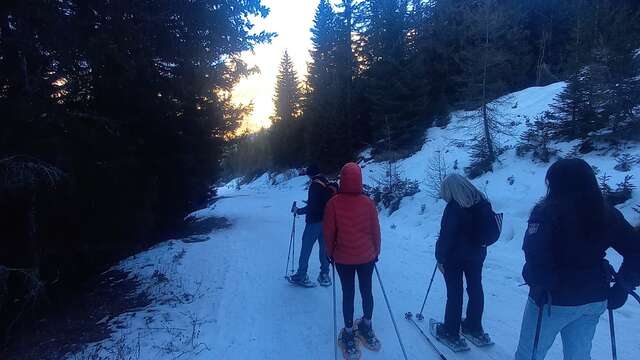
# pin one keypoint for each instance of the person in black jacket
(460, 251)
(565, 246)
(319, 194)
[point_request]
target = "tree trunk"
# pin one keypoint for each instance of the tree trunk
(485, 116)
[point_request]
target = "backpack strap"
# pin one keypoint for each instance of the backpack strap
(327, 186)
(322, 183)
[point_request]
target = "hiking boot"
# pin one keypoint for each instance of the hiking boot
(454, 341)
(476, 335)
(349, 345)
(301, 280)
(367, 335)
(324, 279)
(297, 277)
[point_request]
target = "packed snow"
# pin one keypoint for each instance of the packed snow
(225, 298)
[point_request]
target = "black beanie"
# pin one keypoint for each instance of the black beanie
(313, 170)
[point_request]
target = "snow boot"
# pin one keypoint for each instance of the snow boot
(367, 336)
(349, 345)
(476, 336)
(324, 279)
(452, 341)
(301, 280)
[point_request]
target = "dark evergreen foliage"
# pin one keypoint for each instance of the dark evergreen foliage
(537, 139)
(130, 101)
(326, 128)
(285, 130)
(382, 71)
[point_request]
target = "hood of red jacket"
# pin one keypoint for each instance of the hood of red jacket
(351, 179)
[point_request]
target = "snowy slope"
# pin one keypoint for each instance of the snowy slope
(226, 298)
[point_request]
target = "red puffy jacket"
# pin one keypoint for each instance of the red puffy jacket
(351, 229)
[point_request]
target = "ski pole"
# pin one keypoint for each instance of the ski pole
(612, 329)
(293, 248)
(294, 209)
(286, 270)
(409, 316)
(291, 242)
(419, 315)
(536, 339)
(393, 320)
(335, 316)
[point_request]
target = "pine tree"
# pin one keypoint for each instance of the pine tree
(394, 86)
(578, 109)
(286, 139)
(537, 139)
(326, 129)
(131, 101)
(486, 62)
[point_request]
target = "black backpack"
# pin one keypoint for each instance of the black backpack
(487, 225)
(330, 188)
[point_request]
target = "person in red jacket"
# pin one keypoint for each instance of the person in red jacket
(352, 238)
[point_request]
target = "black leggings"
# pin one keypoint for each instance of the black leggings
(453, 272)
(347, 275)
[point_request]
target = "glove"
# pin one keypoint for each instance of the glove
(617, 296)
(539, 295)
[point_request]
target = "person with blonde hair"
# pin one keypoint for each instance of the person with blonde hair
(460, 251)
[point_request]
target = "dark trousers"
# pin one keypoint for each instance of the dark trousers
(347, 275)
(453, 272)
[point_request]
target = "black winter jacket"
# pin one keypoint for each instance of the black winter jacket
(561, 260)
(457, 241)
(317, 199)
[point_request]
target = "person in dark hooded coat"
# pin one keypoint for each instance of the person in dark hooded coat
(569, 279)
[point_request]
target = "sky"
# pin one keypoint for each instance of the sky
(292, 21)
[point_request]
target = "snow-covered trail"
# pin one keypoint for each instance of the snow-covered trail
(225, 298)
(262, 317)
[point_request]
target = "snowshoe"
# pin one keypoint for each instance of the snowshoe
(452, 341)
(478, 338)
(301, 280)
(324, 280)
(367, 336)
(349, 345)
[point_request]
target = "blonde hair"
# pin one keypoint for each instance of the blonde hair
(458, 188)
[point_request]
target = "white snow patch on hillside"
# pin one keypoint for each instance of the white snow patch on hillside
(226, 298)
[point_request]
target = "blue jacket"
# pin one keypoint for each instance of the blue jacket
(563, 261)
(319, 195)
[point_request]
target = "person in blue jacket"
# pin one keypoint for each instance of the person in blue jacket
(319, 194)
(565, 246)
